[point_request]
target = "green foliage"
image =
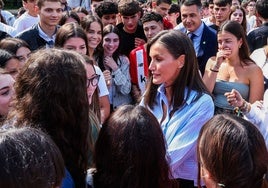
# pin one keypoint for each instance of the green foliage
(12, 4)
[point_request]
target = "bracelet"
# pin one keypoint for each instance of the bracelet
(245, 107)
(248, 107)
(216, 66)
(212, 70)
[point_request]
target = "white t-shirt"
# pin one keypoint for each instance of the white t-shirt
(251, 21)
(103, 90)
(9, 17)
(259, 56)
(8, 29)
(207, 21)
(25, 21)
(76, 3)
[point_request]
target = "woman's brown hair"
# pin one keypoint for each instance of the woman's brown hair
(233, 151)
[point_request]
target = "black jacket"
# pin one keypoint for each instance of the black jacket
(209, 45)
(257, 38)
(31, 36)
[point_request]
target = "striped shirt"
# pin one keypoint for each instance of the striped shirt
(181, 131)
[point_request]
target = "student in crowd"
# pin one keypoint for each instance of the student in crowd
(43, 34)
(117, 77)
(10, 63)
(204, 38)
(205, 9)
(29, 158)
(92, 92)
(44, 97)
(107, 12)
(251, 13)
(232, 154)
(152, 25)
(17, 47)
(8, 16)
(161, 7)
(258, 37)
(131, 31)
(72, 37)
(81, 12)
(29, 18)
(94, 4)
(132, 139)
(210, 20)
(94, 106)
(78, 3)
(6, 94)
(232, 68)
(236, 2)
(222, 10)
(238, 14)
(64, 5)
(174, 14)
(178, 98)
(69, 16)
(93, 28)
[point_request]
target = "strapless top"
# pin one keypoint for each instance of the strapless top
(222, 87)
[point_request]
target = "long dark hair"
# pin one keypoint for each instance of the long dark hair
(51, 93)
(130, 151)
(5, 56)
(69, 14)
(70, 30)
(232, 149)
(13, 44)
(244, 21)
(86, 23)
(177, 43)
(29, 159)
(95, 105)
(100, 58)
(237, 30)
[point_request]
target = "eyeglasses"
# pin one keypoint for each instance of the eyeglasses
(251, 5)
(93, 81)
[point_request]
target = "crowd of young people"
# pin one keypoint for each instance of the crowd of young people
(128, 91)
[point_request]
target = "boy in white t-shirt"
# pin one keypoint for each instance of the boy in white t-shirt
(29, 18)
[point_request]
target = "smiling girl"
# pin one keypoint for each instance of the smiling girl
(115, 68)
